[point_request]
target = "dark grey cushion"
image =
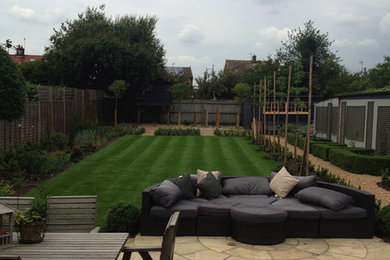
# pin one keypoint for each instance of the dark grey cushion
(211, 209)
(247, 186)
(304, 182)
(184, 183)
(324, 197)
(350, 212)
(166, 194)
(210, 187)
(297, 209)
(253, 200)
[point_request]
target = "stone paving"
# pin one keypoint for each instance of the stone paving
(220, 248)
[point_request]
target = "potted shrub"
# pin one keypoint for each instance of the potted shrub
(30, 223)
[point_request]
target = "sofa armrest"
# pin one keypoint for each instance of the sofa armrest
(361, 198)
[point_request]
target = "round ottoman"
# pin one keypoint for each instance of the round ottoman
(258, 225)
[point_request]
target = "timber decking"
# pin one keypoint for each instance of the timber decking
(65, 246)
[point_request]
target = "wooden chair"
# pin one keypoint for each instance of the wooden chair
(167, 245)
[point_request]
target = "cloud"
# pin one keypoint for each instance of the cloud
(368, 43)
(270, 36)
(179, 60)
(23, 13)
(384, 24)
(349, 18)
(190, 34)
(342, 43)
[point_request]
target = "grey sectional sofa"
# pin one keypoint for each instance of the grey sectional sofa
(306, 217)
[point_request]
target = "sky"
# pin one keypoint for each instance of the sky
(204, 33)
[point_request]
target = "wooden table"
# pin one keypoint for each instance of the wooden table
(71, 246)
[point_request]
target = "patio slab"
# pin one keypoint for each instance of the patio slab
(225, 248)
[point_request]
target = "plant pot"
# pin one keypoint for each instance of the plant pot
(33, 232)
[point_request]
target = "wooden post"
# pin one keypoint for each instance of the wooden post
(265, 104)
(305, 159)
(82, 104)
(206, 117)
(238, 118)
(179, 119)
(274, 115)
(217, 116)
(286, 122)
(195, 119)
(64, 103)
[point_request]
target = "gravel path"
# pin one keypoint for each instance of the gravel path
(365, 181)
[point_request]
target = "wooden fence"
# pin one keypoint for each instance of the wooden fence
(205, 112)
(57, 109)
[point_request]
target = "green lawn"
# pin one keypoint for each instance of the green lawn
(124, 168)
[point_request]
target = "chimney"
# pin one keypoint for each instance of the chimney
(19, 50)
(253, 58)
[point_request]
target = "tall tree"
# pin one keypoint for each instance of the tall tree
(12, 88)
(309, 41)
(93, 50)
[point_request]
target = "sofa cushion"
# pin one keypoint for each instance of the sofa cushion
(187, 208)
(324, 197)
(247, 186)
(282, 183)
(350, 212)
(304, 182)
(184, 183)
(166, 194)
(252, 200)
(212, 209)
(297, 209)
(248, 214)
(202, 174)
(210, 187)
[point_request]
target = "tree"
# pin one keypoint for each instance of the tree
(242, 92)
(12, 89)
(181, 90)
(210, 86)
(93, 50)
(303, 43)
(118, 89)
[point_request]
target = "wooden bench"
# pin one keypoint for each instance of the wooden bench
(64, 213)
(71, 213)
(17, 202)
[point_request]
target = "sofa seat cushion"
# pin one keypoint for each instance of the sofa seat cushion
(187, 208)
(253, 200)
(249, 214)
(350, 212)
(297, 209)
(247, 186)
(211, 209)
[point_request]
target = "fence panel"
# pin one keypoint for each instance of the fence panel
(56, 110)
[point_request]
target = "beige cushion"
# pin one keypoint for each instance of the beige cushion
(202, 174)
(282, 183)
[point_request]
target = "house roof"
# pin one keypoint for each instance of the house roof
(25, 58)
(187, 71)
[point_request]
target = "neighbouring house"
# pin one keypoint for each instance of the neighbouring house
(185, 72)
(236, 66)
(20, 56)
(356, 119)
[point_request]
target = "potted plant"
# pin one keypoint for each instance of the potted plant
(30, 223)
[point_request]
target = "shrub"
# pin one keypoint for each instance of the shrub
(123, 217)
(54, 142)
(383, 222)
(385, 177)
(232, 132)
(6, 189)
(321, 150)
(177, 132)
(349, 160)
(86, 140)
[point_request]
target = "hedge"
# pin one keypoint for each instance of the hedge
(350, 160)
(178, 132)
(322, 149)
